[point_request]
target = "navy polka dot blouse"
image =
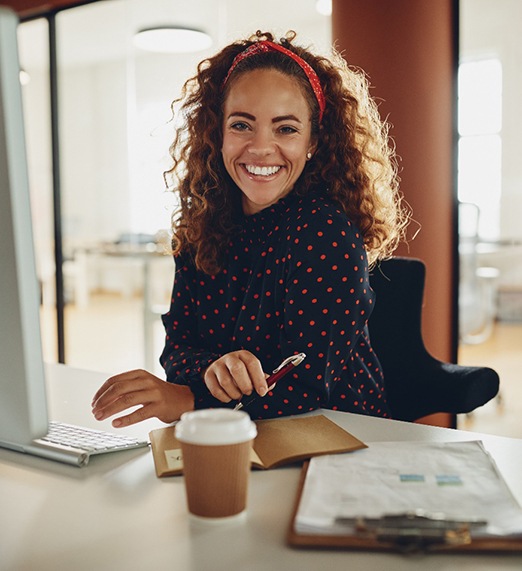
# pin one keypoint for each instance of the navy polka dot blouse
(295, 280)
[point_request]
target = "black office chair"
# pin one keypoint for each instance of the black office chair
(417, 384)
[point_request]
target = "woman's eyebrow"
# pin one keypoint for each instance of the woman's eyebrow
(286, 118)
(242, 114)
(277, 119)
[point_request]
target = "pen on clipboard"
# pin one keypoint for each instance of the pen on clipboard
(277, 374)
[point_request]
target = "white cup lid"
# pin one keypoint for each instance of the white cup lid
(214, 427)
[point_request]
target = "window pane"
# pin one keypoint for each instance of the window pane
(480, 97)
(479, 179)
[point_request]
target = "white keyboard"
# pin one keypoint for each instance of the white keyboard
(84, 442)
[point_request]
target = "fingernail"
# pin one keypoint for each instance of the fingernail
(117, 423)
(262, 391)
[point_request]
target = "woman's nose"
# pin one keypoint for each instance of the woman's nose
(262, 143)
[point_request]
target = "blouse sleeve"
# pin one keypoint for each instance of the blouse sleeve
(183, 357)
(326, 306)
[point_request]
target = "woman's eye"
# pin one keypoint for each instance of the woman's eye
(288, 130)
(239, 126)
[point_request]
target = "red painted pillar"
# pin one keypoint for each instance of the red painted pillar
(408, 49)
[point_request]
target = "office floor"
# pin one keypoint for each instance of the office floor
(107, 336)
(502, 352)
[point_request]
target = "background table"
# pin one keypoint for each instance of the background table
(115, 514)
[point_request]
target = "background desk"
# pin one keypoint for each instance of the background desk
(115, 514)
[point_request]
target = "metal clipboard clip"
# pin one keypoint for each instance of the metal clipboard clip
(416, 531)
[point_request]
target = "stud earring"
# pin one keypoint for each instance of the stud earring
(308, 156)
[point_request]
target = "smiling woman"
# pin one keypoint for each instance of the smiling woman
(287, 193)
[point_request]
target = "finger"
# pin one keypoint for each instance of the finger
(257, 375)
(124, 401)
(122, 389)
(106, 385)
(142, 413)
(215, 388)
(113, 392)
(129, 375)
(238, 377)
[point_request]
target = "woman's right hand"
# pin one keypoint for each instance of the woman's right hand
(153, 396)
(236, 374)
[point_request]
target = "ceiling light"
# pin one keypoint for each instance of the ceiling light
(172, 39)
(324, 7)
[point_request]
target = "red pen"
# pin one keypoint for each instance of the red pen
(277, 374)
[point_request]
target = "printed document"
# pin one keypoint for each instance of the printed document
(453, 480)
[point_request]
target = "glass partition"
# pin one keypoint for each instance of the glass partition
(490, 194)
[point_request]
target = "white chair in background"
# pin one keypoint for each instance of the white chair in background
(477, 285)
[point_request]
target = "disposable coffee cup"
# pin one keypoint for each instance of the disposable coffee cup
(216, 446)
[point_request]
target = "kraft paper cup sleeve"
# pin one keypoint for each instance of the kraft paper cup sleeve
(216, 478)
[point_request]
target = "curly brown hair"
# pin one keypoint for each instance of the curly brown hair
(354, 163)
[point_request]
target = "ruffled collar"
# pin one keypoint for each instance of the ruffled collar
(256, 228)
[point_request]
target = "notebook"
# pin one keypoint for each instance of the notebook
(279, 441)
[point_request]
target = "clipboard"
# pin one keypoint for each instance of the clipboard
(399, 537)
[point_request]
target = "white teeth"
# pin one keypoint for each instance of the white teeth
(262, 171)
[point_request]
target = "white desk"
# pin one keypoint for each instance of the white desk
(115, 514)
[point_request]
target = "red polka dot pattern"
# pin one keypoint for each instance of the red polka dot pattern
(296, 280)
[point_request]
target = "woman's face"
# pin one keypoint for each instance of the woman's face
(266, 136)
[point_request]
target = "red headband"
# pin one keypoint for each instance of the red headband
(266, 46)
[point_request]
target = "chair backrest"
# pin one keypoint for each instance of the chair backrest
(416, 383)
(395, 327)
(395, 323)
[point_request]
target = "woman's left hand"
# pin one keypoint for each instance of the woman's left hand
(235, 374)
(153, 396)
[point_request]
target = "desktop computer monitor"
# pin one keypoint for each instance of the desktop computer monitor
(23, 405)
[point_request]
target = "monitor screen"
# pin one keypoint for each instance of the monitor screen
(23, 409)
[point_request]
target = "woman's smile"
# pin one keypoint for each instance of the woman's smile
(262, 171)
